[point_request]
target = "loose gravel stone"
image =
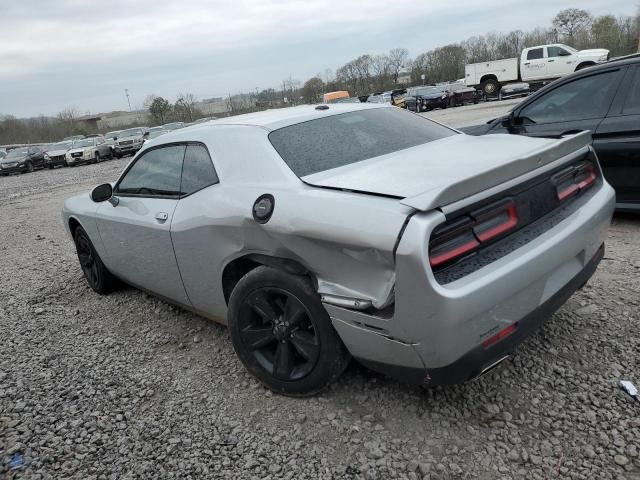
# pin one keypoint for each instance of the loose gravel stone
(126, 386)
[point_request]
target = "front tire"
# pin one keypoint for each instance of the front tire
(97, 159)
(97, 275)
(282, 333)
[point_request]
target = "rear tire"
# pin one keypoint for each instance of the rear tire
(490, 87)
(282, 333)
(96, 274)
(29, 167)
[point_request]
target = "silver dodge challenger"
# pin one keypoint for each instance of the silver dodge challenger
(322, 233)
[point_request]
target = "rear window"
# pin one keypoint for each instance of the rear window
(339, 140)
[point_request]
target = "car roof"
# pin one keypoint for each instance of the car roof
(282, 117)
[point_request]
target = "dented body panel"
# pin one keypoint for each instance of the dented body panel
(361, 232)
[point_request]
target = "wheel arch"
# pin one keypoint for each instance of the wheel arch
(73, 224)
(240, 266)
(488, 76)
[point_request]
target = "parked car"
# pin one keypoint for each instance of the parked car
(129, 142)
(153, 133)
(88, 150)
(110, 139)
(320, 233)
(422, 99)
(172, 126)
(536, 65)
(461, 94)
(397, 97)
(22, 160)
(56, 155)
(604, 99)
(95, 135)
(514, 90)
(72, 138)
(380, 97)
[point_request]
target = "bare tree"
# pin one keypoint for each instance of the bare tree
(312, 90)
(398, 57)
(571, 21)
(381, 69)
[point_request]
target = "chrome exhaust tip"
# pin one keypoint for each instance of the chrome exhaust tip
(490, 367)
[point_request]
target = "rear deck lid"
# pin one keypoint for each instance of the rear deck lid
(444, 171)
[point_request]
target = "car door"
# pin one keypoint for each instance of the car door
(534, 66)
(135, 227)
(618, 141)
(200, 232)
(576, 105)
(36, 157)
(560, 62)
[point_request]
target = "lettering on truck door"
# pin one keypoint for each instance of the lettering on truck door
(534, 67)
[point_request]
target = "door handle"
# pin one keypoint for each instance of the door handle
(551, 61)
(527, 63)
(161, 217)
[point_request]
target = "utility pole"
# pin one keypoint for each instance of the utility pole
(126, 92)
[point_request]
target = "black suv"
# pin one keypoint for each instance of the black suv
(22, 159)
(604, 99)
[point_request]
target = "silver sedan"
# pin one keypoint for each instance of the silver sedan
(321, 233)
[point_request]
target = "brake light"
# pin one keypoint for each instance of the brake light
(574, 180)
(501, 335)
(467, 234)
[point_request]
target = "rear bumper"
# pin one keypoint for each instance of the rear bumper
(436, 331)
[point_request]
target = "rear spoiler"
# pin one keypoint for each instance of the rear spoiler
(567, 146)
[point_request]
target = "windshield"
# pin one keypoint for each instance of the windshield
(60, 146)
(111, 135)
(17, 153)
(88, 142)
(130, 133)
(339, 140)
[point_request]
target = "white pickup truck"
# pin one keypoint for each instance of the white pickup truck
(537, 66)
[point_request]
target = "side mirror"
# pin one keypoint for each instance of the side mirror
(507, 121)
(102, 193)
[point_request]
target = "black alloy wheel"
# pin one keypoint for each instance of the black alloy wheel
(29, 167)
(279, 332)
(282, 333)
(97, 275)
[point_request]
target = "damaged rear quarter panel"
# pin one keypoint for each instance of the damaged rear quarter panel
(344, 239)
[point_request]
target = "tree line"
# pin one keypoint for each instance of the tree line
(368, 73)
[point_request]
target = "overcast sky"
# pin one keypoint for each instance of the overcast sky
(81, 53)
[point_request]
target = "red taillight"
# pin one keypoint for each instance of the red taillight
(575, 180)
(497, 225)
(467, 234)
(451, 250)
(501, 335)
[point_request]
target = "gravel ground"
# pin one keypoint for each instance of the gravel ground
(127, 386)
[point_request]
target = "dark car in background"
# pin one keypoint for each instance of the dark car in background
(422, 99)
(461, 94)
(604, 99)
(514, 90)
(55, 155)
(22, 160)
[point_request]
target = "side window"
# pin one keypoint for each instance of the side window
(535, 54)
(632, 102)
(553, 52)
(197, 171)
(582, 99)
(156, 172)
